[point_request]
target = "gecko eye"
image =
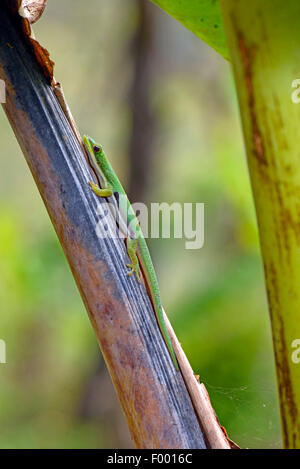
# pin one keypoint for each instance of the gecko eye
(96, 149)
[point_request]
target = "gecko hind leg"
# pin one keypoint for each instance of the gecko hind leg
(132, 245)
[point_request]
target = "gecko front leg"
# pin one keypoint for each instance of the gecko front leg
(106, 192)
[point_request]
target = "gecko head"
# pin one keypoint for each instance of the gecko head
(91, 145)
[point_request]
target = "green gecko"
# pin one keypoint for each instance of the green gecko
(110, 186)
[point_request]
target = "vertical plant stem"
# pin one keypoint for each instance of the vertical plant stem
(142, 136)
(264, 42)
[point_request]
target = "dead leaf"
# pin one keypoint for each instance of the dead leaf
(32, 10)
(41, 54)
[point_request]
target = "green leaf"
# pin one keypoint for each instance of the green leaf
(202, 17)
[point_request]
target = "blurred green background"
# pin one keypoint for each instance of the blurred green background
(163, 105)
